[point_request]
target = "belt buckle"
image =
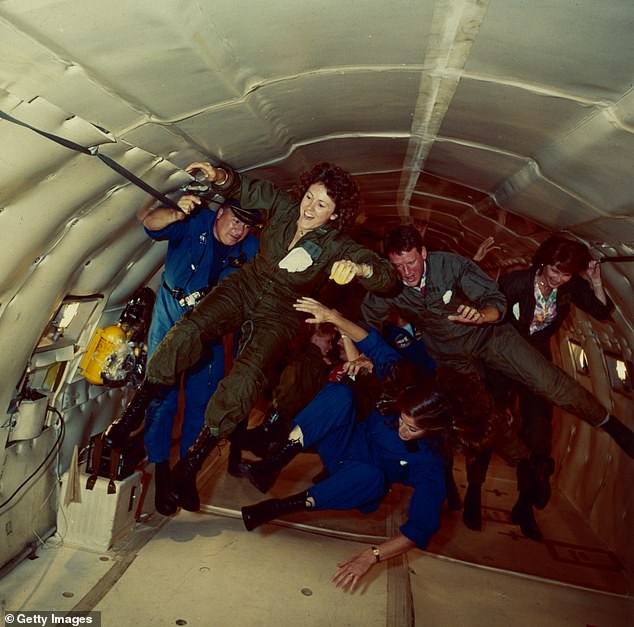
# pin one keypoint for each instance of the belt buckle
(192, 299)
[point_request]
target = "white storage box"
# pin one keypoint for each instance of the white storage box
(100, 519)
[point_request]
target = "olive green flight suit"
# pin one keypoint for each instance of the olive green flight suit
(261, 295)
(452, 280)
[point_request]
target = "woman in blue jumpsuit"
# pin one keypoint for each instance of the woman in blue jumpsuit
(364, 459)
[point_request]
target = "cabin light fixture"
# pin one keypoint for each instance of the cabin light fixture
(579, 357)
(69, 311)
(60, 322)
(68, 321)
(619, 373)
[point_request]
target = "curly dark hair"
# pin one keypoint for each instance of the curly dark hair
(402, 239)
(341, 187)
(566, 254)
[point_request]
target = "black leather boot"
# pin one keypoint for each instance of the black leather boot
(621, 434)
(235, 449)
(118, 432)
(472, 512)
(454, 502)
(255, 515)
(184, 474)
(264, 474)
(259, 439)
(522, 512)
(522, 515)
(164, 501)
(542, 468)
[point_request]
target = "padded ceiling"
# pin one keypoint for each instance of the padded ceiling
(473, 117)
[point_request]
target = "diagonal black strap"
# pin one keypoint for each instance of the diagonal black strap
(618, 259)
(137, 181)
(93, 151)
(58, 140)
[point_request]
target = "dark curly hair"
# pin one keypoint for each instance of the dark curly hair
(341, 187)
(566, 254)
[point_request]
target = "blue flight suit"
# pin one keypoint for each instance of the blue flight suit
(364, 459)
(195, 261)
(405, 341)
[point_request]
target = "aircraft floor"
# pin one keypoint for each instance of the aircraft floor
(205, 569)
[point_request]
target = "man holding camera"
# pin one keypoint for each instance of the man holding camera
(203, 248)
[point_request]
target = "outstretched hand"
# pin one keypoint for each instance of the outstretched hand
(320, 313)
(593, 272)
(349, 573)
(467, 315)
(485, 248)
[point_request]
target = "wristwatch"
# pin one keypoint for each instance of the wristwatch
(376, 553)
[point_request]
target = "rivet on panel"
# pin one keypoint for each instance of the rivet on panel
(307, 592)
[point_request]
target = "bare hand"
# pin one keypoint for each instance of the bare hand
(361, 364)
(211, 173)
(593, 272)
(344, 270)
(350, 572)
(320, 313)
(188, 202)
(467, 315)
(485, 248)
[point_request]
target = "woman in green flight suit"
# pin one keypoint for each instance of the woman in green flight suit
(301, 246)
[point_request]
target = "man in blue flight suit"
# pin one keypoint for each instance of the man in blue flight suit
(203, 247)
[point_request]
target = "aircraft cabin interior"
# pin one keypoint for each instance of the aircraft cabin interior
(464, 119)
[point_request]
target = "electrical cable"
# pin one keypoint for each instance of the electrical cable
(55, 448)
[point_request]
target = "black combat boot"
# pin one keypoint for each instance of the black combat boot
(255, 515)
(164, 500)
(235, 449)
(472, 512)
(118, 432)
(522, 512)
(621, 434)
(542, 468)
(264, 474)
(258, 440)
(454, 502)
(184, 473)
(522, 515)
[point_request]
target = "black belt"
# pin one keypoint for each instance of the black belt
(185, 300)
